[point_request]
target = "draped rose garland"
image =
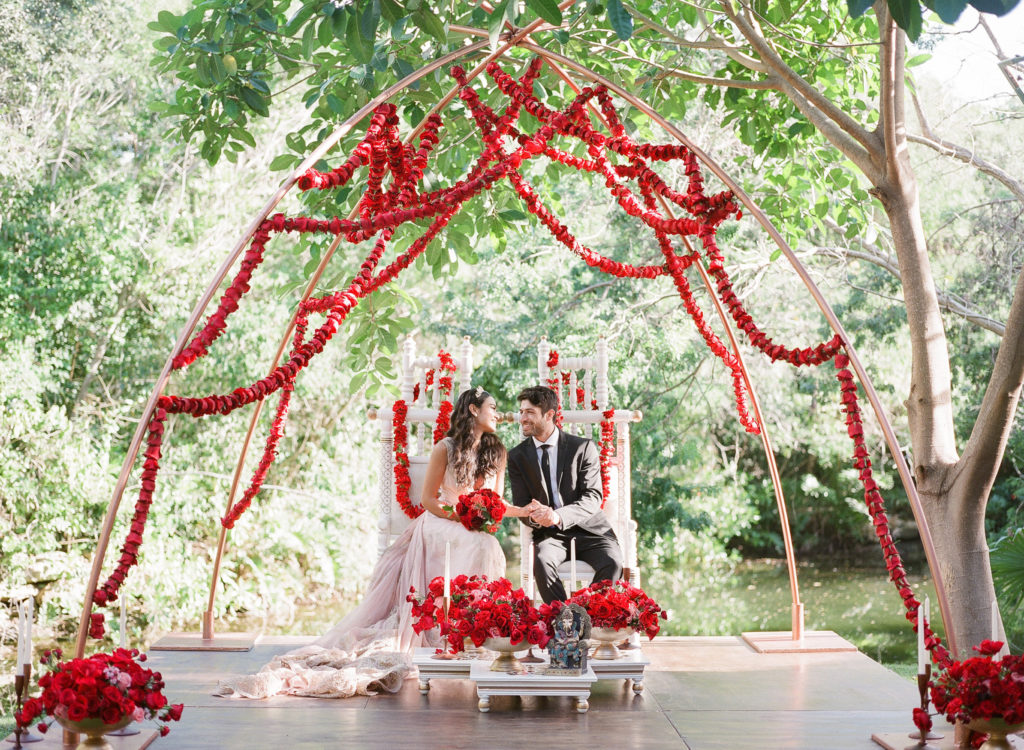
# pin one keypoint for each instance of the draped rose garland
(400, 424)
(384, 206)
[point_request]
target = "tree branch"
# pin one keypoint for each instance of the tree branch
(770, 83)
(965, 155)
(717, 42)
(891, 96)
(875, 255)
(801, 87)
(865, 159)
(983, 453)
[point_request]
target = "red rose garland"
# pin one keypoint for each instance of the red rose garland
(380, 212)
(444, 386)
(400, 410)
(606, 443)
(401, 446)
(876, 509)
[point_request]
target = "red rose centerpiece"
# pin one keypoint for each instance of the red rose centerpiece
(480, 510)
(98, 694)
(613, 608)
(984, 693)
(482, 611)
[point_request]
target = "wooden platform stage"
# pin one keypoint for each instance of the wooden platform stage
(701, 694)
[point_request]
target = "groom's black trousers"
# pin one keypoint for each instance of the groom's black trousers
(600, 552)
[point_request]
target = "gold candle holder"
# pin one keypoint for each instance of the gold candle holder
(22, 680)
(922, 741)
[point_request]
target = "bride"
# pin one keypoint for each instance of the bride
(370, 648)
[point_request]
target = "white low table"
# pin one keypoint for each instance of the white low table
(440, 669)
(629, 666)
(490, 683)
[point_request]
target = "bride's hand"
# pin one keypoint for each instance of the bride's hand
(516, 512)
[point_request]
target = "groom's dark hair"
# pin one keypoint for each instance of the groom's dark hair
(540, 396)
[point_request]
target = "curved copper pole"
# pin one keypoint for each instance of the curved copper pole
(204, 301)
(797, 608)
(876, 404)
(207, 623)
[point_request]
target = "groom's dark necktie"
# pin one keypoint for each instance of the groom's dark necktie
(545, 468)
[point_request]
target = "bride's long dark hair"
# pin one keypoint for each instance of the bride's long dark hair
(490, 453)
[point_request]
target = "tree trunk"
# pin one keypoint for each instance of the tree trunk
(954, 511)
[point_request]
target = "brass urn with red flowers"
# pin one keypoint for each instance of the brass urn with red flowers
(97, 695)
(985, 693)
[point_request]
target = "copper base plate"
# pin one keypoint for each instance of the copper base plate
(781, 642)
(54, 740)
(901, 740)
(196, 642)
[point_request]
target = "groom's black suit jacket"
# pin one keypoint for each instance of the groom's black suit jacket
(579, 486)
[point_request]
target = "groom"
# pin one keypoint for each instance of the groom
(558, 475)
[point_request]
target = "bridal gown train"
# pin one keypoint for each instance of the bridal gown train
(370, 648)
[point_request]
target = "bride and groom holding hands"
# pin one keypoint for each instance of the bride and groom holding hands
(555, 482)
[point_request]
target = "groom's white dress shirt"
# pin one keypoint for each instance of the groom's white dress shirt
(552, 443)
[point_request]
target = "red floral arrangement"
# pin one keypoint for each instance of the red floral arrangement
(982, 687)
(481, 510)
(615, 605)
(108, 687)
(479, 609)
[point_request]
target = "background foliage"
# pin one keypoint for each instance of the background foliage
(110, 226)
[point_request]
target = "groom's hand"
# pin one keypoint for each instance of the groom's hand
(545, 516)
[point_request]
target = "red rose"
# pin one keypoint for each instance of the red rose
(77, 711)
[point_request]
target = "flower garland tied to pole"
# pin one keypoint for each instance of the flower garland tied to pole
(383, 207)
(403, 482)
(606, 443)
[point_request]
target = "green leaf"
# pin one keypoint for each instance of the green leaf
(1007, 558)
(907, 15)
(430, 23)
(369, 19)
(511, 214)
(949, 10)
(918, 59)
(283, 161)
(354, 39)
(995, 7)
(308, 35)
(496, 23)
(254, 101)
(776, 254)
(821, 207)
(858, 8)
(335, 104)
(620, 20)
(166, 21)
(325, 32)
(546, 9)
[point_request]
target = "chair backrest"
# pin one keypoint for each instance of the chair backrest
(423, 400)
(582, 385)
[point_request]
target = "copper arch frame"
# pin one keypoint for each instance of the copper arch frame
(516, 38)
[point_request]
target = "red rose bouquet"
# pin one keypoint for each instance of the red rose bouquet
(615, 605)
(981, 687)
(481, 510)
(108, 687)
(479, 609)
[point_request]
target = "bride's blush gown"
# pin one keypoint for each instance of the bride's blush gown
(370, 648)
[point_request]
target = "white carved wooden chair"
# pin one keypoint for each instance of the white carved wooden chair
(590, 374)
(420, 418)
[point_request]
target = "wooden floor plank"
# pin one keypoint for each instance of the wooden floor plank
(701, 694)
